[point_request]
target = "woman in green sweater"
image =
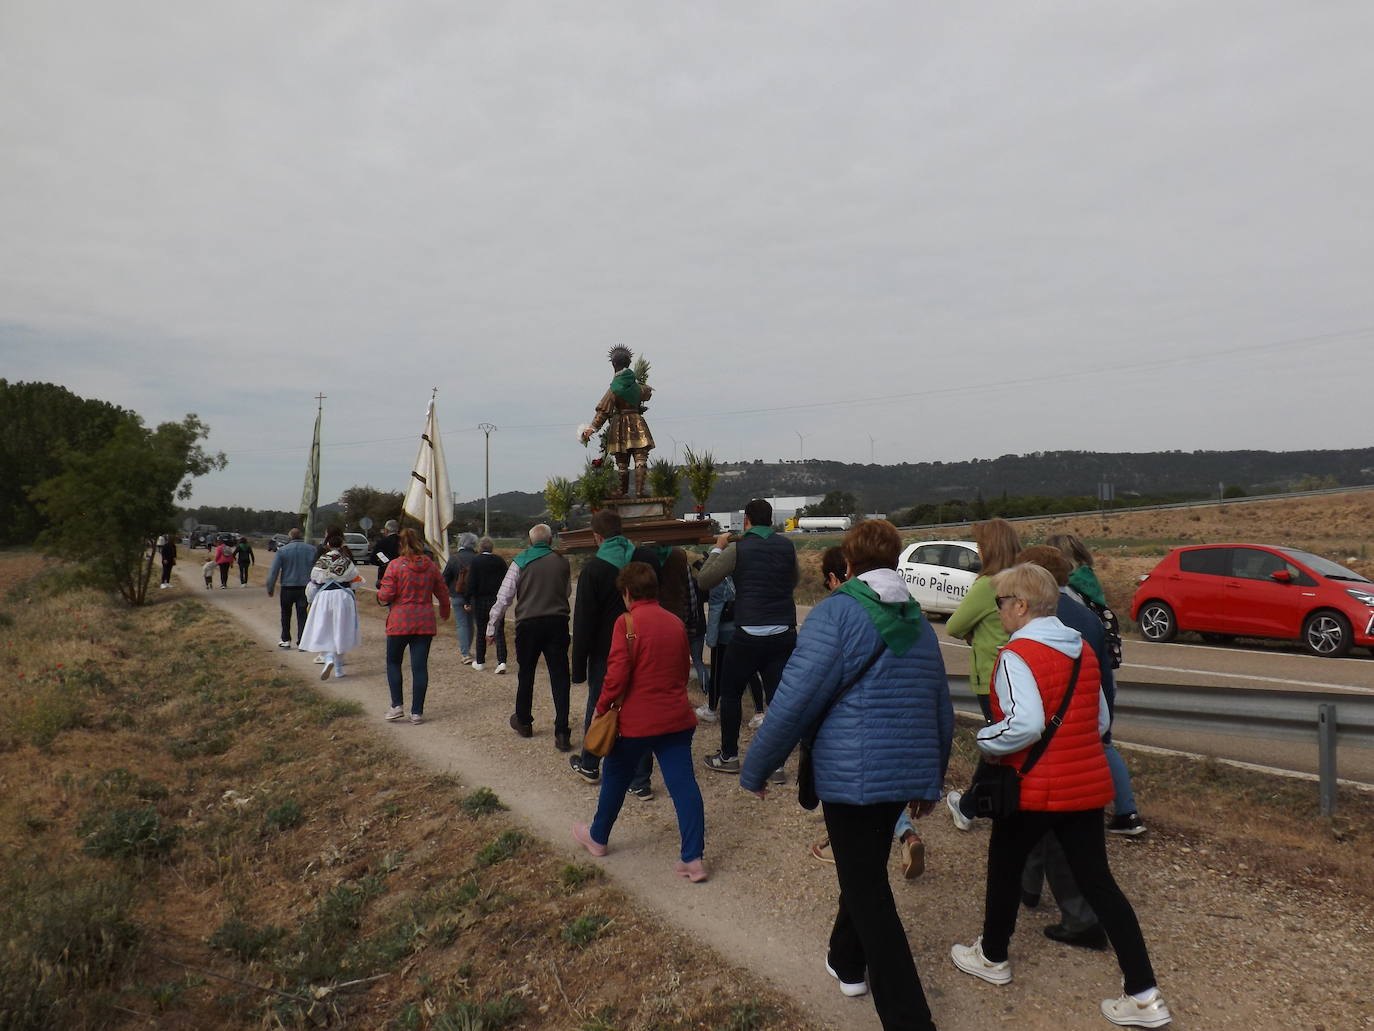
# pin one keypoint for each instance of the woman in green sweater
(976, 622)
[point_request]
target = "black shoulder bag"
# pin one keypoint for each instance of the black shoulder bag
(996, 787)
(806, 779)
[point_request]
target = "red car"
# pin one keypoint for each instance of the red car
(1254, 590)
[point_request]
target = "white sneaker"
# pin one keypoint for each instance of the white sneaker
(970, 959)
(394, 713)
(705, 714)
(415, 717)
(960, 820)
(284, 644)
(500, 667)
(849, 988)
(1128, 1012)
(320, 657)
(478, 667)
(756, 722)
(328, 669)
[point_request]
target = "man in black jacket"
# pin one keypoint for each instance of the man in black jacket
(388, 547)
(764, 567)
(597, 607)
(484, 581)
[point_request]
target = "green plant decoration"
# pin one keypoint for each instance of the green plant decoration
(559, 495)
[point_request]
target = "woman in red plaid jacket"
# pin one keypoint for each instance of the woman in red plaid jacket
(409, 585)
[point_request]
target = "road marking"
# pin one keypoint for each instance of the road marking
(1247, 676)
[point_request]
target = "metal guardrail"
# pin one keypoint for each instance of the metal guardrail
(1332, 719)
(1122, 510)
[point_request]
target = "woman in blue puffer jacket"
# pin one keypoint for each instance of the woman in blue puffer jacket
(884, 744)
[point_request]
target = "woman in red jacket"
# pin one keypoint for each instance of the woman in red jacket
(409, 586)
(646, 673)
(1063, 792)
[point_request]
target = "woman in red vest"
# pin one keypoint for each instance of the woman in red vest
(1063, 793)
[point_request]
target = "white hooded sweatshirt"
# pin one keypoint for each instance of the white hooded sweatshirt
(1022, 707)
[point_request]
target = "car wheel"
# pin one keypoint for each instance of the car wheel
(1157, 622)
(1326, 633)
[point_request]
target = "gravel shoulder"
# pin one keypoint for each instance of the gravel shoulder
(1228, 941)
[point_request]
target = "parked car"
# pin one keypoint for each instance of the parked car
(1254, 590)
(939, 573)
(359, 546)
(277, 540)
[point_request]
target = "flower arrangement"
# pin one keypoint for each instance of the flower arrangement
(595, 484)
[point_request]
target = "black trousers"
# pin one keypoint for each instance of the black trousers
(868, 937)
(750, 654)
(167, 571)
(224, 573)
(1083, 839)
(292, 598)
(546, 636)
(481, 615)
(718, 654)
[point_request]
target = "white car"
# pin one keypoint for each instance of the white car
(939, 573)
(358, 546)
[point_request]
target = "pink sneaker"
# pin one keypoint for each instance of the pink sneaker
(695, 871)
(582, 833)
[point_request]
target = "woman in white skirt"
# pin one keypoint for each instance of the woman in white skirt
(331, 626)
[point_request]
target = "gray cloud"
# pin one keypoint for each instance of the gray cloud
(228, 210)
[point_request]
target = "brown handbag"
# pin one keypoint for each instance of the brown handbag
(604, 730)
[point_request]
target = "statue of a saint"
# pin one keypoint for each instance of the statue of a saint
(621, 411)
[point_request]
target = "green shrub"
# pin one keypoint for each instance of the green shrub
(485, 1016)
(66, 937)
(243, 941)
(127, 834)
(53, 707)
(285, 816)
(585, 929)
(574, 875)
(501, 849)
(481, 802)
(203, 742)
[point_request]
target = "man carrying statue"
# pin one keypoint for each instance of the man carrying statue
(621, 411)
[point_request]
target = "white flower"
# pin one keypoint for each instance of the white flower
(584, 434)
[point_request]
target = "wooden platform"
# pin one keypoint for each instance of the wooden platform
(653, 527)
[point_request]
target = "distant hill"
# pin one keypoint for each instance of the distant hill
(885, 488)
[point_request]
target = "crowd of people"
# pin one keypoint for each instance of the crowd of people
(861, 690)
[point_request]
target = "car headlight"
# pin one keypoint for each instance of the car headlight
(1363, 597)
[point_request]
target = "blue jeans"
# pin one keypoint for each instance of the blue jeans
(1121, 781)
(419, 668)
(596, 676)
(674, 753)
(463, 622)
(703, 677)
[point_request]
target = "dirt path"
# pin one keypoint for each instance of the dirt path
(1228, 943)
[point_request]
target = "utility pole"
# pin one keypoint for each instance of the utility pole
(487, 428)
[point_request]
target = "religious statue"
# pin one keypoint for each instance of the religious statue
(620, 410)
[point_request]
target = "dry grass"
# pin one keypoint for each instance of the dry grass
(198, 817)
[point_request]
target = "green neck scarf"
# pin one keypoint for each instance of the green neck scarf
(760, 531)
(898, 623)
(626, 387)
(1085, 582)
(616, 551)
(533, 552)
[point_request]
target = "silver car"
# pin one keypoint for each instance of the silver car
(939, 573)
(358, 546)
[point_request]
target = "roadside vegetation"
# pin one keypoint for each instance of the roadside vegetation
(195, 840)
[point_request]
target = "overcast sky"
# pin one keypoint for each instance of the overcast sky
(913, 230)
